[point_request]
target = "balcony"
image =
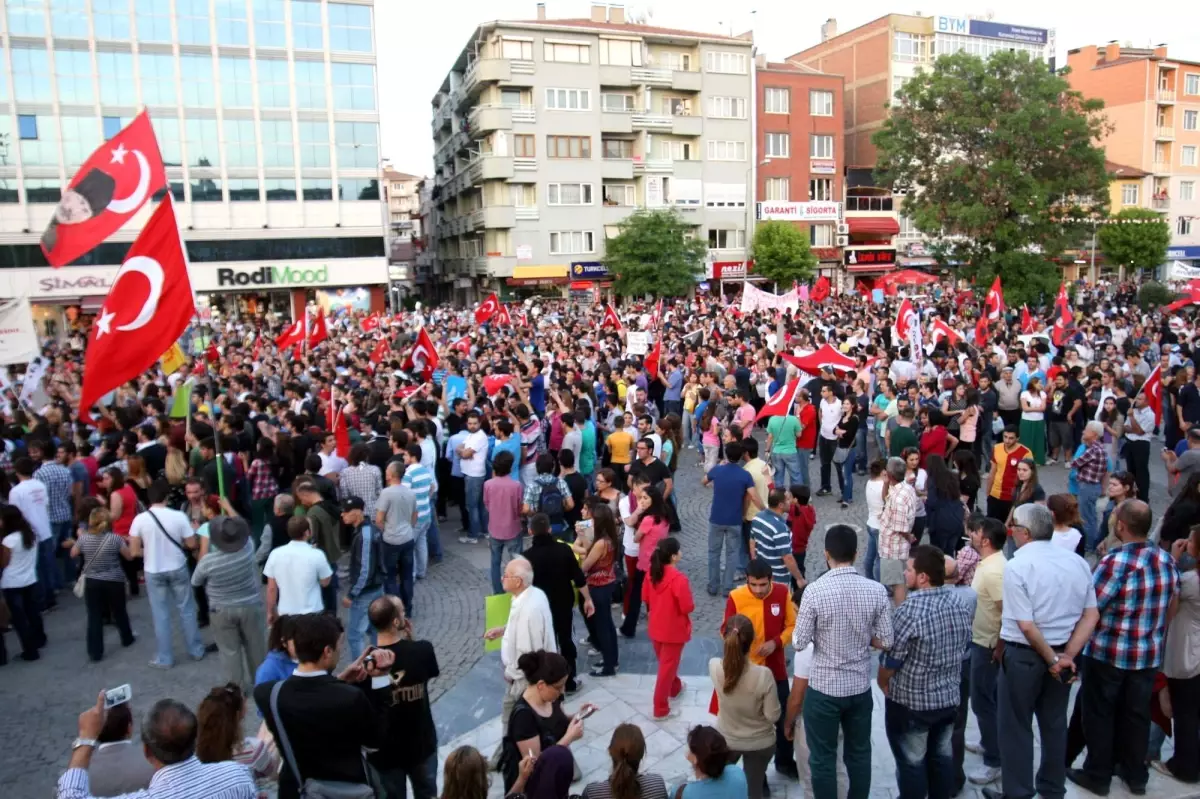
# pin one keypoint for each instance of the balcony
(616, 168)
(524, 113)
(1165, 95)
(1161, 203)
(874, 205)
(657, 166)
(615, 214)
(494, 265)
(686, 125)
(648, 121)
(494, 216)
(616, 122)
(686, 81)
(615, 76)
(485, 119)
(490, 167)
(651, 76)
(1164, 132)
(502, 70)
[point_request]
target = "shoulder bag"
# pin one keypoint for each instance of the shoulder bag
(82, 581)
(314, 789)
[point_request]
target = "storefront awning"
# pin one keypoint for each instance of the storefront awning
(873, 225)
(543, 272)
(870, 269)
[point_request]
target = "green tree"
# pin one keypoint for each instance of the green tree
(1137, 238)
(781, 252)
(1153, 294)
(1002, 163)
(656, 253)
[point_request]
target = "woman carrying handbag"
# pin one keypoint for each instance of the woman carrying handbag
(101, 585)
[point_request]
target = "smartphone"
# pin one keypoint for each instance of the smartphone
(587, 711)
(117, 696)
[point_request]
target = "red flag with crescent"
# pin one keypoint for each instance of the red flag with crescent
(319, 332)
(493, 383)
(611, 319)
(463, 345)
(487, 309)
(820, 290)
(1153, 390)
(502, 317)
(781, 402)
(292, 334)
(369, 324)
(1026, 320)
(422, 357)
(905, 316)
(994, 303)
(335, 421)
(380, 352)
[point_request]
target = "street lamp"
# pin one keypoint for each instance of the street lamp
(751, 185)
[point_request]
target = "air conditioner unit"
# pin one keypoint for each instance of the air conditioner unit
(843, 229)
(842, 241)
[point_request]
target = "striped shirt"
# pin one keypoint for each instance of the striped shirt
(107, 567)
(772, 540)
(231, 579)
(420, 480)
(650, 786)
(190, 779)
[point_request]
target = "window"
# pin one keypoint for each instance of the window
(619, 194)
(1187, 189)
(726, 239)
(566, 53)
(733, 63)
(203, 143)
(358, 189)
(349, 28)
(674, 149)
(1161, 154)
(196, 77)
(26, 17)
(517, 48)
(240, 147)
(357, 144)
(310, 84)
(73, 70)
(616, 148)
(278, 189)
(277, 142)
(158, 78)
(69, 19)
(524, 145)
(569, 194)
(669, 59)
(41, 190)
(112, 126)
(1184, 226)
(153, 20)
(233, 23)
(726, 150)
(620, 53)
(269, 24)
(821, 235)
(353, 87)
(170, 139)
(1187, 155)
(725, 195)
(522, 195)
(615, 102)
(676, 106)
(117, 86)
(31, 74)
(273, 83)
(206, 190)
(568, 100)
(39, 140)
(778, 189)
(1129, 194)
(1189, 119)
(237, 83)
(27, 126)
(1191, 82)
(727, 107)
(911, 47)
(80, 138)
(908, 229)
(820, 103)
(778, 145)
(9, 195)
(110, 18)
(317, 189)
(243, 190)
(572, 242)
(177, 192)
(193, 21)
(898, 82)
(820, 146)
(821, 189)
(777, 101)
(568, 147)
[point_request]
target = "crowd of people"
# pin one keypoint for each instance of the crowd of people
(304, 489)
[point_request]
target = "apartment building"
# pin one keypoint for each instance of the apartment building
(1153, 103)
(876, 59)
(403, 202)
(549, 132)
(800, 143)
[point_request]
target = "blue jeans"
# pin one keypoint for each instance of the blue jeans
(358, 626)
(514, 547)
(847, 475)
(920, 742)
(398, 571)
(786, 465)
(421, 558)
(423, 776)
(860, 443)
(729, 537)
(433, 539)
(47, 571)
(172, 591)
(1089, 493)
(475, 511)
(805, 456)
(66, 574)
(871, 561)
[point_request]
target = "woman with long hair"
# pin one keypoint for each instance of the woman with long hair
(137, 478)
(627, 747)
(175, 469)
(748, 703)
(605, 488)
(969, 479)
(598, 568)
(691, 398)
(538, 725)
(280, 662)
(1033, 420)
(1181, 665)
(219, 737)
(968, 422)
(122, 505)
(944, 507)
(847, 441)
(18, 580)
(465, 775)
(876, 492)
(710, 435)
(1182, 513)
(716, 776)
(1121, 486)
(1067, 522)
(263, 478)
(651, 521)
(1114, 427)
(669, 602)
(918, 478)
(104, 580)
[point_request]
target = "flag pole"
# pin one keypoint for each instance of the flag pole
(212, 389)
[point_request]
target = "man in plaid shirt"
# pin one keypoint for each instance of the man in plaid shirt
(1090, 468)
(1135, 585)
(895, 528)
(58, 482)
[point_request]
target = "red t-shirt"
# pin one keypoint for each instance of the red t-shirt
(808, 422)
(801, 519)
(933, 442)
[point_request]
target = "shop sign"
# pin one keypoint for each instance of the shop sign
(822, 166)
(524, 252)
(1186, 253)
(826, 253)
(799, 212)
(731, 270)
(589, 270)
(272, 276)
(879, 257)
(987, 29)
(74, 282)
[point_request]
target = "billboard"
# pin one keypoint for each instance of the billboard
(799, 212)
(987, 29)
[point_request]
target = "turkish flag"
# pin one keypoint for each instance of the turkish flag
(150, 302)
(111, 186)
(905, 316)
(652, 360)
(404, 392)
(370, 323)
(298, 352)
(502, 317)
(781, 402)
(943, 330)
(1063, 304)
(319, 331)
(1190, 297)
(820, 291)
(994, 303)
(611, 319)
(1026, 320)
(257, 347)
(335, 421)
(292, 334)
(981, 332)
(380, 352)
(658, 313)
(493, 383)
(463, 345)
(487, 309)
(212, 354)
(1153, 390)
(422, 357)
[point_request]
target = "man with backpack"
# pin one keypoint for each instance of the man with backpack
(366, 571)
(548, 494)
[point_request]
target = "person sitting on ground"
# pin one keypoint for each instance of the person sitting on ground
(627, 747)
(716, 776)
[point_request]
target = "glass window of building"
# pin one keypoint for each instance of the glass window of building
(117, 86)
(820, 103)
(27, 126)
(111, 126)
(357, 144)
(196, 75)
(110, 18)
(80, 137)
(206, 190)
(269, 28)
(310, 84)
(69, 19)
(153, 18)
(314, 144)
(193, 20)
(40, 148)
(307, 31)
(42, 190)
(158, 78)
(176, 192)
(3, 83)
(273, 82)
(350, 28)
(233, 23)
(820, 189)
(317, 188)
(167, 131)
(8, 191)
(240, 148)
(911, 47)
(203, 143)
(778, 189)
(820, 145)
(280, 189)
(243, 190)
(31, 74)
(354, 87)
(358, 189)
(26, 17)
(237, 82)
(777, 101)
(277, 142)
(73, 71)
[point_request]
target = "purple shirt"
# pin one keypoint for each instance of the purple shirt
(502, 498)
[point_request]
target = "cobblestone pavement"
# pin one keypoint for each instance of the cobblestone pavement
(42, 700)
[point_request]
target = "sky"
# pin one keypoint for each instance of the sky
(417, 40)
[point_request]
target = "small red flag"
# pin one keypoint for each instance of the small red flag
(981, 332)
(487, 309)
(292, 334)
(319, 331)
(1026, 320)
(994, 303)
(781, 402)
(422, 357)
(380, 352)
(502, 317)
(906, 316)
(943, 330)
(212, 354)
(820, 291)
(1153, 390)
(493, 383)
(335, 421)
(369, 324)
(611, 319)
(652, 360)
(463, 345)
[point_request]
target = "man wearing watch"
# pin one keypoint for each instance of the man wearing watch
(169, 744)
(1048, 614)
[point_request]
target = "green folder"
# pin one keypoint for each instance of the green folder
(495, 614)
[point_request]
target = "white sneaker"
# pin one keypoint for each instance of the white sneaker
(1050, 461)
(974, 747)
(462, 539)
(984, 775)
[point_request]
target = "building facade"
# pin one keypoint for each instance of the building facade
(266, 115)
(1153, 104)
(549, 133)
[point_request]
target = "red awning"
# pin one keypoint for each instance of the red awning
(873, 225)
(870, 269)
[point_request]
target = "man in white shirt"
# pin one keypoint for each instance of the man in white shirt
(1139, 425)
(831, 415)
(162, 536)
(472, 454)
(331, 463)
(30, 495)
(296, 573)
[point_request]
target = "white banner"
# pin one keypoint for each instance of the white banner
(800, 212)
(33, 378)
(755, 299)
(637, 343)
(18, 341)
(1182, 271)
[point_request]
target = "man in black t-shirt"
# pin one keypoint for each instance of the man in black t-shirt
(1060, 413)
(578, 486)
(654, 470)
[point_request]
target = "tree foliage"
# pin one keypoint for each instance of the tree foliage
(1138, 238)
(781, 252)
(654, 253)
(998, 156)
(1153, 294)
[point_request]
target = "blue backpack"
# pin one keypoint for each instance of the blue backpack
(550, 502)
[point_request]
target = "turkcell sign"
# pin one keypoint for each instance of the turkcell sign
(987, 29)
(272, 276)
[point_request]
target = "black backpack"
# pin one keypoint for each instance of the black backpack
(551, 502)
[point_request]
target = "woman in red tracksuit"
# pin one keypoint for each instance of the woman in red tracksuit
(668, 598)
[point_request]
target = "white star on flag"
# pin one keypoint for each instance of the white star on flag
(104, 323)
(118, 155)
